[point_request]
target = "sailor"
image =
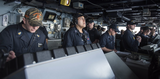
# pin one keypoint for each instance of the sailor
(106, 41)
(25, 37)
(93, 33)
(145, 37)
(77, 35)
(131, 42)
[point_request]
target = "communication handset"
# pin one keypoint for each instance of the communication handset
(3, 57)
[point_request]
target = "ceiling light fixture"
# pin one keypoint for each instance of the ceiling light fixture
(116, 10)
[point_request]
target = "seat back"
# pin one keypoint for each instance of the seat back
(25, 59)
(98, 45)
(80, 49)
(94, 46)
(70, 50)
(43, 56)
(60, 52)
(87, 47)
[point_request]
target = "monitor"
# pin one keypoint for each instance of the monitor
(49, 16)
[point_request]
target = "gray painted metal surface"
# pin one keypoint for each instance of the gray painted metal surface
(120, 69)
(87, 65)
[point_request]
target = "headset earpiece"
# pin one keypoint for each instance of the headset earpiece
(75, 17)
(75, 21)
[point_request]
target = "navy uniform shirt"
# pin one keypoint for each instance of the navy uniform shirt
(151, 37)
(44, 31)
(129, 41)
(138, 34)
(93, 34)
(107, 40)
(145, 40)
(74, 38)
(16, 38)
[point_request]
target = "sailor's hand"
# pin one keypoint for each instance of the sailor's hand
(153, 32)
(115, 50)
(139, 39)
(11, 56)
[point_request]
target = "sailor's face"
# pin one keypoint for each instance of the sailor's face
(30, 28)
(81, 22)
(113, 32)
(90, 25)
(132, 27)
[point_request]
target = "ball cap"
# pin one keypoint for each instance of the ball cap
(131, 22)
(78, 15)
(146, 28)
(90, 21)
(115, 27)
(34, 17)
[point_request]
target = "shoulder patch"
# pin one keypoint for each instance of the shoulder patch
(88, 38)
(38, 35)
(19, 33)
(134, 38)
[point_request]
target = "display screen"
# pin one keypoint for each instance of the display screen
(49, 16)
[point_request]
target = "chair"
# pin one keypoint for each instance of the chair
(87, 47)
(94, 46)
(71, 50)
(98, 45)
(43, 56)
(80, 49)
(57, 53)
(25, 59)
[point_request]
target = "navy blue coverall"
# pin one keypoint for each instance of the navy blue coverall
(107, 41)
(145, 40)
(93, 34)
(15, 38)
(129, 41)
(74, 38)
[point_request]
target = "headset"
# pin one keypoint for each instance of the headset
(75, 20)
(75, 17)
